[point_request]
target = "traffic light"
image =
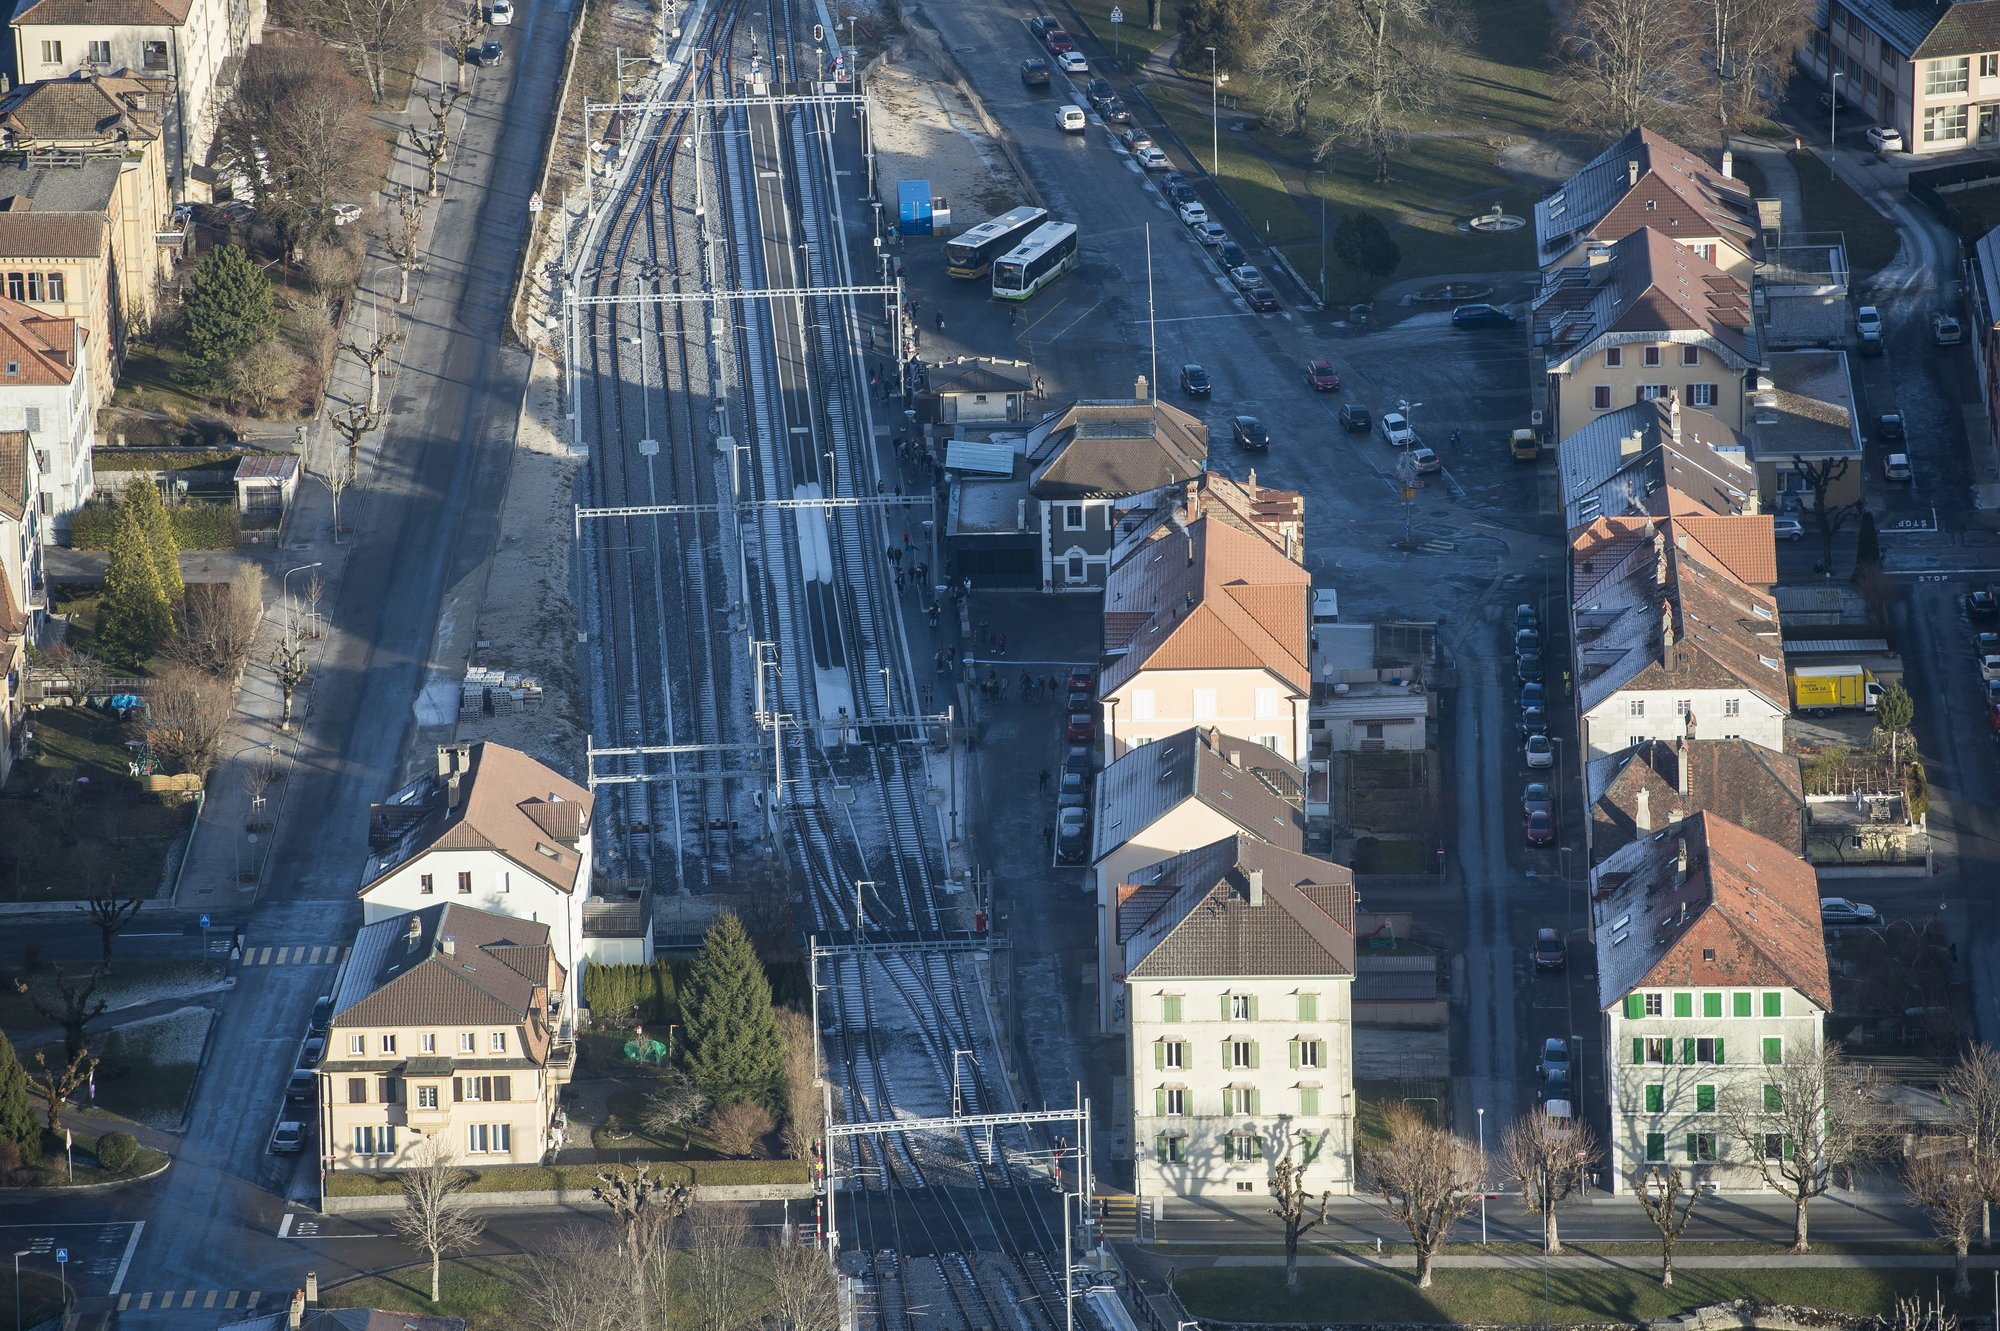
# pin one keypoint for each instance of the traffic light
(819, 32)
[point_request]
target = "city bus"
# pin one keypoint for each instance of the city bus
(1038, 261)
(972, 254)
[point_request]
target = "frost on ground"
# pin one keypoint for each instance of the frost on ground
(924, 130)
(170, 1038)
(137, 983)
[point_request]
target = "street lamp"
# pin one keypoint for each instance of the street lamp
(1833, 107)
(1482, 1176)
(1214, 133)
(17, 1285)
(285, 583)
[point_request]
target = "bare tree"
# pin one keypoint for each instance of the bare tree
(297, 124)
(1428, 1178)
(353, 425)
(288, 665)
(1634, 62)
(404, 240)
(86, 674)
(187, 714)
(1296, 57)
(739, 1127)
(108, 913)
(1393, 62)
(1669, 1204)
(56, 1085)
(373, 352)
(1296, 1209)
(263, 374)
(1828, 519)
(70, 1007)
(434, 144)
(1952, 1195)
(1754, 44)
(373, 34)
(1914, 1314)
(338, 482)
(642, 1205)
(1548, 1157)
(717, 1236)
(674, 1102)
(565, 1289)
(805, 1121)
(219, 621)
(1971, 1097)
(310, 596)
(435, 1219)
(1816, 1113)
(805, 1290)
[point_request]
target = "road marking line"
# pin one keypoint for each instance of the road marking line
(187, 1300)
(124, 1302)
(234, 1295)
(285, 1225)
(146, 1300)
(283, 954)
(209, 1302)
(125, 1262)
(255, 1295)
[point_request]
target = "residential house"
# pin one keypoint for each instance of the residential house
(191, 47)
(493, 829)
(1250, 506)
(1643, 317)
(1674, 636)
(302, 1314)
(444, 1026)
(1372, 687)
(1802, 285)
(1206, 627)
(1930, 71)
(1802, 427)
(1645, 180)
(22, 593)
(1096, 461)
(61, 251)
(978, 392)
(1239, 964)
(45, 392)
(1711, 971)
(1161, 799)
(1656, 786)
(1632, 460)
(120, 118)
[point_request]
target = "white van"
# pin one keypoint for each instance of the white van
(1070, 119)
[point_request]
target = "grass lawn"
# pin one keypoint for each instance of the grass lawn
(1515, 1295)
(146, 1069)
(148, 386)
(1832, 205)
(1394, 855)
(51, 1174)
(1133, 42)
(1373, 1098)
(578, 1180)
(488, 1291)
(126, 984)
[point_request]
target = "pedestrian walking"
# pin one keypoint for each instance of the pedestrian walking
(939, 316)
(1001, 648)
(1049, 836)
(933, 615)
(899, 581)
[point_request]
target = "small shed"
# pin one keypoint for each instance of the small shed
(913, 208)
(265, 485)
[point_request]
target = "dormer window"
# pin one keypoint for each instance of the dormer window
(13, 369)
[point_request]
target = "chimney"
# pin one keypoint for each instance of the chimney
(312, 1287)
(1256, 887)
(1674, 417)
(1140, 389)
(1681, 758)
(1728, 165)
(1632, 172)
(1680, 861)
(1667, 634)
(1236, 757)
(1250, 485)
(414, 934)
(297, 1312)
(448, 945)
(1642, 817)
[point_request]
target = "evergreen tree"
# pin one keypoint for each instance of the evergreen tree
(18, 1123)
(161, 544)
(229, 309)
(733, 1049)
(136, 614)
(1364, 246)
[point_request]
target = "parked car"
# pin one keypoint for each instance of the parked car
(1354, 418)
(1246, 276)
(1524, 445)
(1057, 40)
(1787, 529)
(1527, 640)
(1555, 1050)
(1250, 433)
(1042, 25)
(1889, 427)
(1321, 378)
(1135, 138)
(1073, 835)
(1551, 954)
(1261, 299)
(1425, 461)
(1195, 381)
(1945, 330)
(288, 1137)
(1072, 62)
(1083, 679)
(1896, 467)
(1035, 72)
(302, 1087)
(1534, 721)
(1211, 233)
(1071, 120)
(1073, 790)
(312, 1051)
(1868, 327)
(1081, 728)
(1194, 214)
(1180, 194)
(1152, 159)
(1539, 829)
(500, 13)
(1099, 92)
(1481, 316)
(322, 1015)
(1537, 798)
(1885, 138)
(1538, 752)
(1115, 112)
(1533, 695)
(1985, 645)
(1989, 668)
(345, 214)
(1841, 913)
(1527, 666)
(487, 53)
(1396, 431)
(1981, 605)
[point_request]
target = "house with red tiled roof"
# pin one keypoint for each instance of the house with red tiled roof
(45, 381)
(1641, 318)
(1647, 180)
(1711, 971)
(1206, 626)
(1656, 786)
(1675, 633)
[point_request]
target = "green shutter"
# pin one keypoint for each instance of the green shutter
(1774, 1099)
(1704, 1099)
(1656, 1099)
(1683, 1005)
(1741, 1003)
(1687, 1051)
(1254, 1049)
(1693, 1151)
(1774, 1003)
(1229, 1147)
(1294, 1048)
(1711, 1005)
(1160, 1102)
(1718, 1050)
(1256, 1101)
(1308, 1007)
(1253, 1007)
(1788, 1148)
(1635, 1007)
(1170, 1007)
(1308, 1101)
(1638, 1050)
(1774, 1050)
(1160, 1147)
(1159, 1055)
(1225, 1007)
(1656, 1146)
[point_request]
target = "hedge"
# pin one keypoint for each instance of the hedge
(610, 991)
(578, 1180)
(161, 459)
(197, 525)
(116, 1151)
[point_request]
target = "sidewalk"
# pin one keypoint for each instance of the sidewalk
(1646, 1262)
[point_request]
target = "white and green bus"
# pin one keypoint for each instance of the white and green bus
(1037, 261)
(972, 254)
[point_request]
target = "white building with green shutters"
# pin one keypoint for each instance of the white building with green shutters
(1239, 966)
(1711, 974)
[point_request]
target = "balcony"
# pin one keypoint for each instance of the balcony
(562, 1061)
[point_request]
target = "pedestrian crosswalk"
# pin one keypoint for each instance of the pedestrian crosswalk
(1118, 1217)
(326, 954)
(240, 1300)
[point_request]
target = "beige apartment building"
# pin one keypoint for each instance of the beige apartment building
(1646, 180)
(1644, 318)
(1930, 71)
(442, 1027)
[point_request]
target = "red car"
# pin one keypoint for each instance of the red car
(1540, 829)
(1058, 41)
(1081, 728)
(1320, 376)
(1082, 681)
(1262, 299)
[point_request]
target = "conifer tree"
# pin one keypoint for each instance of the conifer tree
(230, 311)
(161, 543)
(733, 1049)
(17, 1107)
(136, 613)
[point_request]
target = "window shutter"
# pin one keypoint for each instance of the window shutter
(1774, 1004)
(1718, 1050)
(1740, 1004)
(1225, 1007)
(1309, 1103)
(1711, 1005)
(1229, 1147)
(1308, 1007)
(1294, 1047)
(1788, 1148)
(1253, 1007)
(1687, 1050)
(1254, 1050)
(1635, 1008)
(357, 1090)
(1638, 1050)
(1692, 1152)
(457, 1090)
(1774, 1050)
(503, 1088)
(1160, 1110)
(1683, 1005)
(1159, 1054)
(1656, 1098)
(1170, 1007)
(1774, 1100)
(1704, 1099)
(1256, 1101)
(1160, 1147)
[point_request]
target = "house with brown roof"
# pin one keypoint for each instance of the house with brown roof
(1646, 180)
(45, 393)
(1238, 965)
(1658, 785)
(1635, 460)
(1184, 791)
(190, 48)
(1930, 71)
(1674, 632)
(444, 1025)
(23, 595)
(1097, 462)
(493, 829)
(1802, 424)
(1206, 626)
(1249, 505)
(62, 252)
(1711, 970)
(1640, 318)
